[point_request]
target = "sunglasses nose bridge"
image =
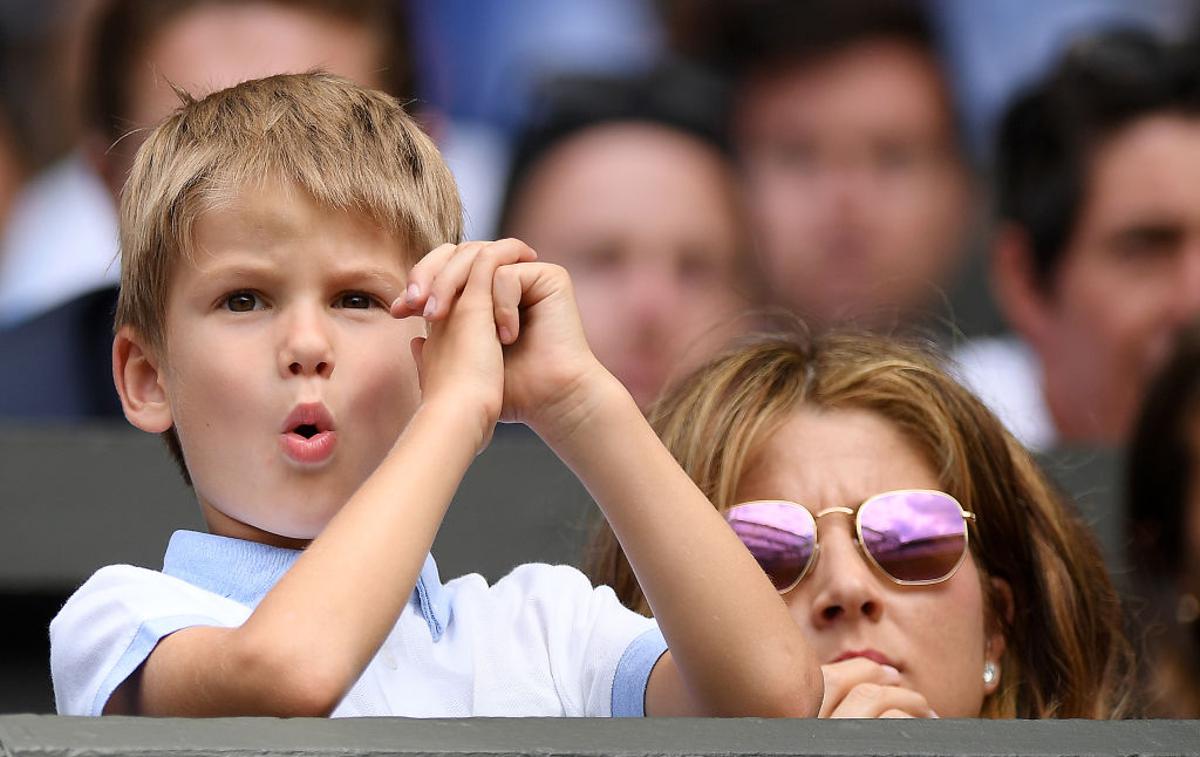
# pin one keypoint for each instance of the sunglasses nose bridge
(835, 511)
(850, 513)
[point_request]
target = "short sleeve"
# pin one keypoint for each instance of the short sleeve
(110, 626)
(599, 652)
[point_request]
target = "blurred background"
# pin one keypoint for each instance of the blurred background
(703, 168)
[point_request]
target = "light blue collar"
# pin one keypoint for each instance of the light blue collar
(245, 571)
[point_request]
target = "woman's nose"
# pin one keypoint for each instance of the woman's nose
(842, 587)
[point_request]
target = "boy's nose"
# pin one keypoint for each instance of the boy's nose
(320, 368)
(307, 349)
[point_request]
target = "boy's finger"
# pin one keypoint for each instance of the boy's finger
(450, 280)
(506, 301)
(419, 280)
(478, 287)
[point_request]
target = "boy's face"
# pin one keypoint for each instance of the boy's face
(287, 378)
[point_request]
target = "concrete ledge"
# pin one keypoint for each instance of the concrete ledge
(22, 735)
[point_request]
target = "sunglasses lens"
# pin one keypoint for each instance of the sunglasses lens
(914, 536)
(780, 535)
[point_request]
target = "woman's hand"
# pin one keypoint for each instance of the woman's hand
(862, 688)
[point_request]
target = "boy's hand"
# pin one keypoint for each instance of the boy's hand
(550, 372)
(862, 688)
(461, 358)
(735, 649)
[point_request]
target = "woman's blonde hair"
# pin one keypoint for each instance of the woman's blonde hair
(1066, 655)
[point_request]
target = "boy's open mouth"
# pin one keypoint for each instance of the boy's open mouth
(308, 435)
(307, 430)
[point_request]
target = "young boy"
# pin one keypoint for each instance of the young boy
(266, 233)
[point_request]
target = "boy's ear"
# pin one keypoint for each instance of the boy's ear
(140, 383)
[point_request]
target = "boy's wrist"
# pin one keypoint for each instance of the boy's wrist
(458, 417)
(569, 421)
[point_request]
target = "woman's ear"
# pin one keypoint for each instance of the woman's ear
(995, 644)
(140, 383)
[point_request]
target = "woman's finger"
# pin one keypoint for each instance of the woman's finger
(842, 677)
(870, 700)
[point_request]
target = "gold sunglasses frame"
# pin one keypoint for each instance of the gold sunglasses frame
(856, 514)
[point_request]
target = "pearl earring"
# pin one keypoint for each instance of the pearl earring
(989, 673)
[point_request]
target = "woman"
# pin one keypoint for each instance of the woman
(947, 577)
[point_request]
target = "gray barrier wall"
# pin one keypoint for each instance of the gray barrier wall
(22, 735)
(76, 498)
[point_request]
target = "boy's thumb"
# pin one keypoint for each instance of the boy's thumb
(417, 345)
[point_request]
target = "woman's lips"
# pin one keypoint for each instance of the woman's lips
(313, 450)
(873, 655)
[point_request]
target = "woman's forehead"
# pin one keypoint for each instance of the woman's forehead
(834, 458)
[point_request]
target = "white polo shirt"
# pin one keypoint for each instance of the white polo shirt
(540, 642)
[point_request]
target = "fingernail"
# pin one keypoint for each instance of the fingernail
(430, 306)
(933, 714)
(505, 335)
(891, 671)
(396, 303)
(412, 293)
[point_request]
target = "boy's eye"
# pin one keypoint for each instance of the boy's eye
(354, 300)
(241, 302)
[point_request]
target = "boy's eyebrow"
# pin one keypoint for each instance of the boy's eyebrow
(237, 269)
(391, 282)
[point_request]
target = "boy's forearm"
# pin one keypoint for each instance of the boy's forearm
(327, 617)
(732, 639)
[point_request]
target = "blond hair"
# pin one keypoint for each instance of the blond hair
(351, 149)
(1066, 654)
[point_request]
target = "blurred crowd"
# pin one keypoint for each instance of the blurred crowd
(1015, 181)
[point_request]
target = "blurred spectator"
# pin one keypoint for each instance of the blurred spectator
(860, 193)
(627, 183)
(1163, 509)
(35, 89)
(140, 50)
(995, 47)
(1097, 259)
(144, 49)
